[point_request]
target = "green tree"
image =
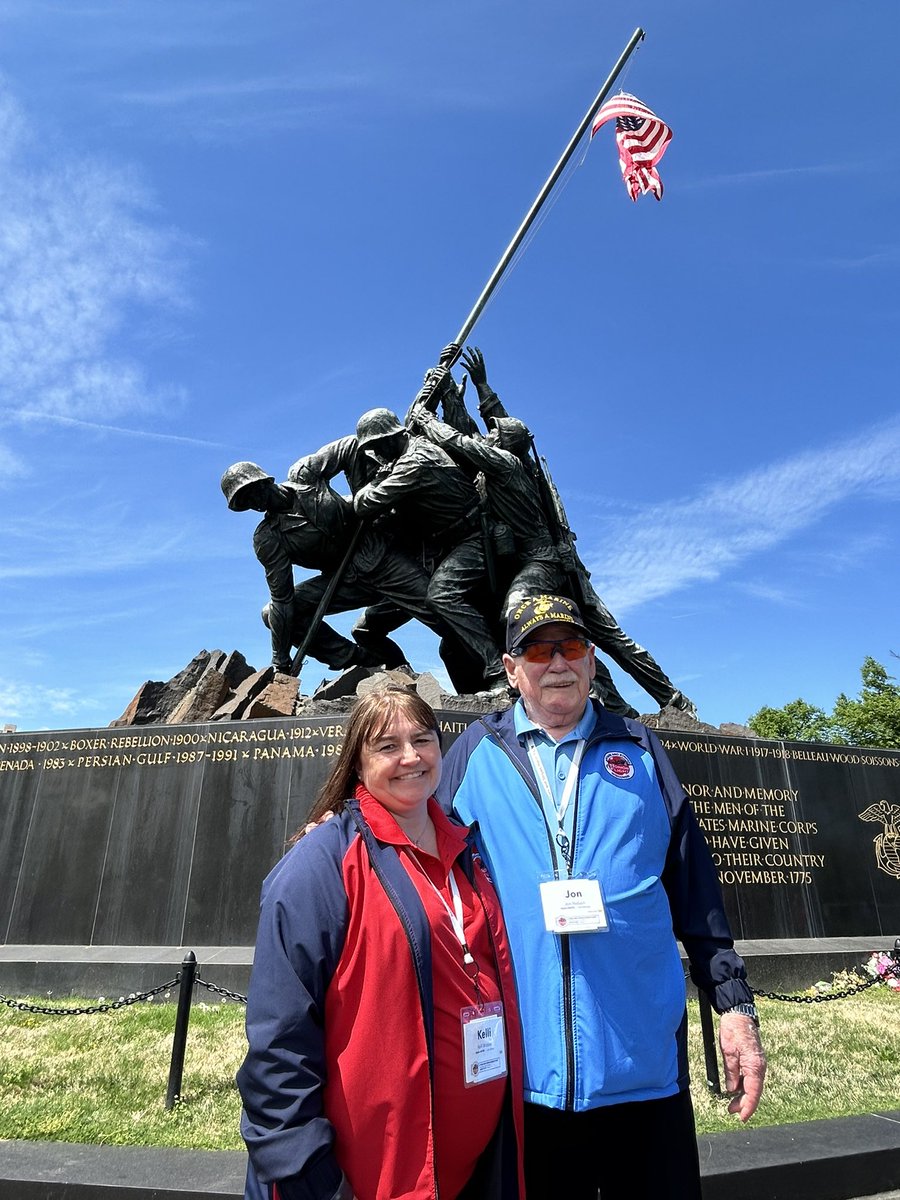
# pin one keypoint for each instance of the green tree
(871, 719)
(796, 722)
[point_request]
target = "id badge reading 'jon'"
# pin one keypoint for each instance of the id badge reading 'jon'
(573, 906)
(484, 1043)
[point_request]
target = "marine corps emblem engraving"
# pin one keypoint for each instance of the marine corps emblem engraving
(887, 844)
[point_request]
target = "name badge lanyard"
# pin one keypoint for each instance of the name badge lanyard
(562, 839)
(456, 921)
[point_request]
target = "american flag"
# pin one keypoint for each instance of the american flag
(642, 139)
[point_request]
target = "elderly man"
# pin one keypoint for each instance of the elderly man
(600, 865)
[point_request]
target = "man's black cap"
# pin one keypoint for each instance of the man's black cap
(534, 611)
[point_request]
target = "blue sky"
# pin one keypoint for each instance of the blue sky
(227, 228)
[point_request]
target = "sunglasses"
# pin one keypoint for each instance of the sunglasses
(542, 652)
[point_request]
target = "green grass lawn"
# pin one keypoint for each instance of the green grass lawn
(831, 1059)
(102, 1079)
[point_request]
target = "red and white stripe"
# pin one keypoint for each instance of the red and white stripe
(639, 149)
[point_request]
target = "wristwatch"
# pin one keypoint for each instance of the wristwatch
(746, 1010)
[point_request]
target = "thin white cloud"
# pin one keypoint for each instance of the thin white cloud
(18, 700)
(883, 256)
(55, 541)
(125, 28)
(11, 466)
(82, 252)
(671, 546)
(197, 91)
(25, 416)
(32, 635)
(123, 557)
(230, 110)
(771, 593)
(767, 174)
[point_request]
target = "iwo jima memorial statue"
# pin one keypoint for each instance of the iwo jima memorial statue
(446, 523)
(450, 518)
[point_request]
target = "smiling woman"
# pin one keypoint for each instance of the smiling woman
(402, 768)
(384, 1055)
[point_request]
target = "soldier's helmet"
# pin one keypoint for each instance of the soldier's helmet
(236, 479)
(513, 435)
(376, 424)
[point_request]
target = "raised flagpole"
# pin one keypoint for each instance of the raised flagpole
(542, 195)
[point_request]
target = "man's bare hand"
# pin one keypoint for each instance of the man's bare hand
(326, 816)
(473, 361)
(428, 394)
(745, 1063)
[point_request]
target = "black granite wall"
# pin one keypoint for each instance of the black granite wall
(783, 820)
(162, 835)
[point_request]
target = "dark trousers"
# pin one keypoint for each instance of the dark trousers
(641, 1151)
(375, 572)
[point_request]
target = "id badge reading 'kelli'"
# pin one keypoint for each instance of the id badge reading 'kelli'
(484, 1043)
(573, 906)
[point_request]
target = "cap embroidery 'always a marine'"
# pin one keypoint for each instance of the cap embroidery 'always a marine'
(545, 619)
(534, 611)
(547, 609)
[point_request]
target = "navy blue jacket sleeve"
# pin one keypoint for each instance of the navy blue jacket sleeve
(456, 760)
(302, 925)
(695, 897)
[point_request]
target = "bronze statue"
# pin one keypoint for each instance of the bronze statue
(423, 501)
(457, 526)
(310, 525)
(554, 565)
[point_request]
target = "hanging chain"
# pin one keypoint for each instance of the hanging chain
(111, 1006)
(862, 986)
(138, 997)
(211, 987)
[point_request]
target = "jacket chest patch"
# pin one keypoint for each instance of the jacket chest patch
(618, 765)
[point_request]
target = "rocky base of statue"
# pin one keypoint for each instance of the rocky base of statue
(216, 686)
(677, 720)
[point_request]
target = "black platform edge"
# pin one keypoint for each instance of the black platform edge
(56, 972)
(817, 1160)
(839, 1159)
(65, 1171)
(89, 971)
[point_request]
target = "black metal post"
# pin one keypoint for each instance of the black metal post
(710, 1051)
(182, 1017)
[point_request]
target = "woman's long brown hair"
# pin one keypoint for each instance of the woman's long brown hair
(370, 717)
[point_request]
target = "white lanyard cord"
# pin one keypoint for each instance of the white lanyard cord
(571, 777)
(455, 913)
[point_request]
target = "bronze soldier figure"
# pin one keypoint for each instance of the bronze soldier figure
(310, 525)
(544, 564)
